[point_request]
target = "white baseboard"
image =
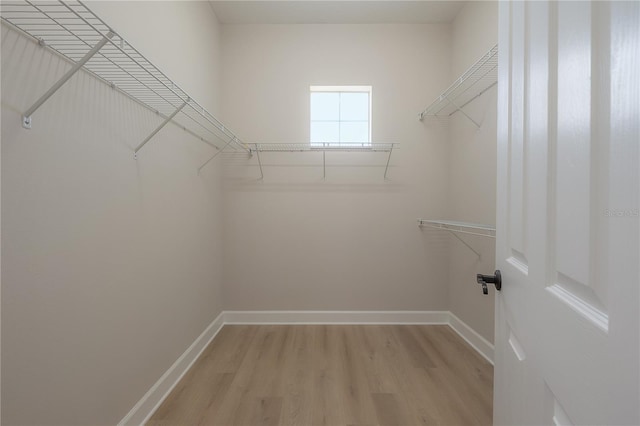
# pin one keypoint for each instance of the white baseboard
(150, 402)
(479, 343)
(336, 317)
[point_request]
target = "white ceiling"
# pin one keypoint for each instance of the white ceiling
(335, 11)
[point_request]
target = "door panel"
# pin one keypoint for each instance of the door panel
(572, 156)
(517, 149)
(577, 166)
(567, 323)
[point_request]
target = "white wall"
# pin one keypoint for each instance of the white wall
(111, 266)
(351, 242)
(472, 171)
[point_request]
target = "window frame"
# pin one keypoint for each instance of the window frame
(341, 89)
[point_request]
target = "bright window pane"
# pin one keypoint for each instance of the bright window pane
(354, 132)
(354, 106)
(325, 131)
(325, 106)
(340, 115)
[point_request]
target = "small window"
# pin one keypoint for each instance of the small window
(340, 115)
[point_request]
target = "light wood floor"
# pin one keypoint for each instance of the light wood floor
(333, 375)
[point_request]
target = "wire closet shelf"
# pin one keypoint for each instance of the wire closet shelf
(323, 147)
(479, 78)
(311, 147)
(460, 227)
(75, 32)
(455, 228)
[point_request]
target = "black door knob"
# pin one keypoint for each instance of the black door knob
(495, 279)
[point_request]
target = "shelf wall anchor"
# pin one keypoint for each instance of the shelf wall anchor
(26, 117)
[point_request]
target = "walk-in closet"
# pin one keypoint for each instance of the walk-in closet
(319, 212)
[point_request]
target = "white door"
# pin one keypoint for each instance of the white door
(567, 321)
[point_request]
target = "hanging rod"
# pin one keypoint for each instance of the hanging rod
(479, 78)
(323, 148)
(72, 30)
(455, 228)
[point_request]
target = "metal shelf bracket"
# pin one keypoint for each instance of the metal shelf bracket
(26, 117)
(232, 140)
(455, 228)
(462, 111)
(260, 164)
(386, 168)
(157, 129)
(324, 164)
(466, 244)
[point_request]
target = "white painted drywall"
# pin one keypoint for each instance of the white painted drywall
(111, 266)
(472, 171)
(294, 241)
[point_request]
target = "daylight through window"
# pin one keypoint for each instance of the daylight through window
(340, 115)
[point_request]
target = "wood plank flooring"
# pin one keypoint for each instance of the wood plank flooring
(333, 375)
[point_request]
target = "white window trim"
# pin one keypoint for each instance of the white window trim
(354, 89)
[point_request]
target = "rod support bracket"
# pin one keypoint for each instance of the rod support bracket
(26, 122)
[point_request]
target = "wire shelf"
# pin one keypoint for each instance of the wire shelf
(474, 82)
(460, 227)
(257, 148)
(327, 147)
(455, 228)
(75, 32)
